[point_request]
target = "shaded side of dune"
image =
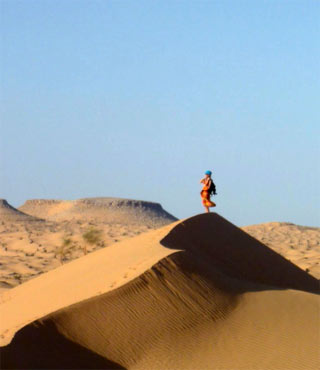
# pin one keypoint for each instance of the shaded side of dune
(238, 254)
(40, 346)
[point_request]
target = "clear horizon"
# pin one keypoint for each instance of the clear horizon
(137, 100)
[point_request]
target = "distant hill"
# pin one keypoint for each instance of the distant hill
(103, 209)
(9, 213)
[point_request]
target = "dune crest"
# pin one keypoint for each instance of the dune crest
(197, 294)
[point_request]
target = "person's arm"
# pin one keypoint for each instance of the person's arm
(208, 183)
(202, 181)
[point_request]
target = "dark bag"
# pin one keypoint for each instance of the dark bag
(212, 189)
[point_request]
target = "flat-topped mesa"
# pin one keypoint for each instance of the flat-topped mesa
(9, 213)
(118, 203)
(101, 209)
(125, 210)
(45, 208)
(42, 202)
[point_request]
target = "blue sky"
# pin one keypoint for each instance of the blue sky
(137, 99)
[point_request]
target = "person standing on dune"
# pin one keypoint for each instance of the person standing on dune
(208, 189)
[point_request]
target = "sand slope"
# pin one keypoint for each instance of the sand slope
(198, 294)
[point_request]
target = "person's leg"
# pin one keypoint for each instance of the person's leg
(211, 203)
(205, 200)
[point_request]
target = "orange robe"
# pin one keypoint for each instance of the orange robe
(206, 197)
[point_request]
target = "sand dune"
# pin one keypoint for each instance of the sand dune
(197, 294)
(111, 210)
